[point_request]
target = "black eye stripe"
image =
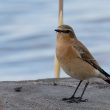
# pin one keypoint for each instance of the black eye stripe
(64, 31)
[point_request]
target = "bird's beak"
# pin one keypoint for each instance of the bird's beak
(57, 30)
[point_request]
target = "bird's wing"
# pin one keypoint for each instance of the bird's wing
(85, 55)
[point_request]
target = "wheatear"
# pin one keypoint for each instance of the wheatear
(76, 60)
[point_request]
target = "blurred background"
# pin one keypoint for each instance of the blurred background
(27, 37)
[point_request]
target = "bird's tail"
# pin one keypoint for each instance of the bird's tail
(107, 80)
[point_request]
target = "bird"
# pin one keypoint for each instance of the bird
(77, 61)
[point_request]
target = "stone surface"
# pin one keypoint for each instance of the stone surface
(47, 94)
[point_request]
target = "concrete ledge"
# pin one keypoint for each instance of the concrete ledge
(47, 94)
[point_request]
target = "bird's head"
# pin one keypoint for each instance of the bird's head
(65, 31)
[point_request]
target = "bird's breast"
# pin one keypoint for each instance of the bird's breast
(65, 52)
(66, 57)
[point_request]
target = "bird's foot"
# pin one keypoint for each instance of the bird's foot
(74, 100)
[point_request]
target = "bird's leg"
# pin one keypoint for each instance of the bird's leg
(79, 99)
(72, 97)
(84, 89)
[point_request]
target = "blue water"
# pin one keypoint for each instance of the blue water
(27, 37)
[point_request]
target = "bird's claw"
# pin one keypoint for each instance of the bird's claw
(74, 100)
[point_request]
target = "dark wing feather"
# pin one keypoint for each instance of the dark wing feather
(86, 56)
